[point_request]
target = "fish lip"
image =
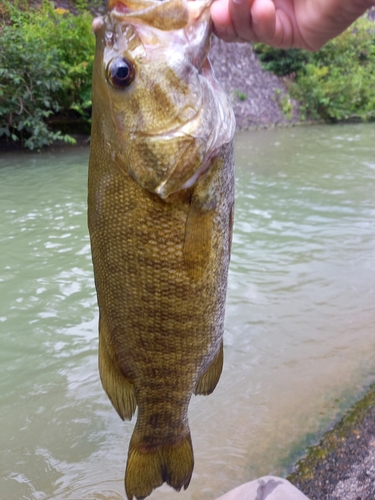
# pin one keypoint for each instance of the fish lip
(114, 8)
(118, 13)
(119, 9)
(195, 9)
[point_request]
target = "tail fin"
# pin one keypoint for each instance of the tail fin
(146, 470)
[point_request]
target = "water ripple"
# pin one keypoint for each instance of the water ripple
(299, 324)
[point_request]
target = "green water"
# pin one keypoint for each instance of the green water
(300, 323)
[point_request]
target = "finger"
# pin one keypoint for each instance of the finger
(271, 25)
(284, 33)
(263, 15)
(223, 26)
(239, 11)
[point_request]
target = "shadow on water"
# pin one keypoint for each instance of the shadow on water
(299, 343)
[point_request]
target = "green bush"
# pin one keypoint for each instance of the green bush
(339, 81)
(281, 62)
(46, 58)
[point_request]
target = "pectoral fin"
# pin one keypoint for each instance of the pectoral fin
(208, 381)
(119, 389)
(198, 240)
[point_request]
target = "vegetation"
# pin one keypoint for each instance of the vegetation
(281, 62)
(240, 95)
(46, 58)
(337, 83)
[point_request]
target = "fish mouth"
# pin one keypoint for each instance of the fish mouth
(166, 15)
(118, 6)
(131, 5)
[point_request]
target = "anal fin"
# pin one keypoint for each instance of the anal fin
(119, 389)
(208, 381)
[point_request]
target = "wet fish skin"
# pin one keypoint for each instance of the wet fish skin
(160, 200)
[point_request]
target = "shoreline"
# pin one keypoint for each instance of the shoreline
(342, 465)
(260, 100)
(83, 140)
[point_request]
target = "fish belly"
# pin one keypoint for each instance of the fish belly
(160, 271)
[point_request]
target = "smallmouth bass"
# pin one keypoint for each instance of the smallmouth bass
(160, 215)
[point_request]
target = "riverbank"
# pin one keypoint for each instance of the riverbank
(259, 98)
(342, 465)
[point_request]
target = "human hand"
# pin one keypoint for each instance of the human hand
(304, 24)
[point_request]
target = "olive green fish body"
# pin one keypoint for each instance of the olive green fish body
(160, 221)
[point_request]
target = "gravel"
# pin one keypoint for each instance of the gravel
(342, 466)
(258, 97)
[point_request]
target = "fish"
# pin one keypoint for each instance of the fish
(160, 218)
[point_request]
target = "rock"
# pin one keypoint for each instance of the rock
(265, 488)
(260, 99)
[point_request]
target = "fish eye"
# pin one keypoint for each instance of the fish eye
(120, 72)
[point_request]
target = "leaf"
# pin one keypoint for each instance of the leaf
(4, 131)
(70, 140)
(37, 50)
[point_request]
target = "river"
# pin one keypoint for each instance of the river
(300, 322)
